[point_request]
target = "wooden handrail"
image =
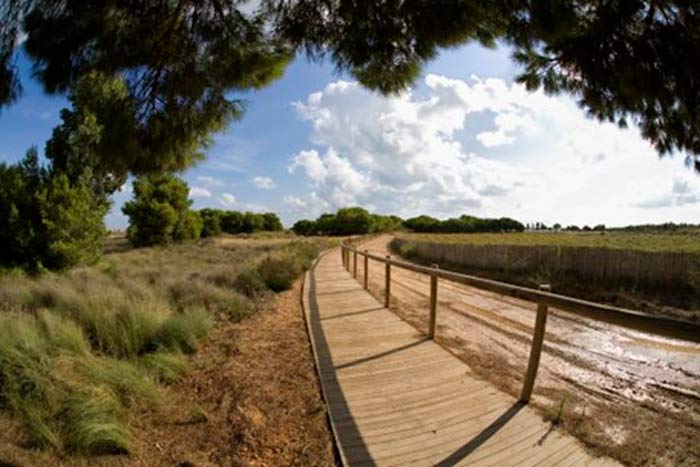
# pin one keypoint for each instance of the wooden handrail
(630, 319)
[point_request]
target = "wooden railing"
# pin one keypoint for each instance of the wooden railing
(544, 298)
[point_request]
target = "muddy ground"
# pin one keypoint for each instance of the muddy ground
(630, 395)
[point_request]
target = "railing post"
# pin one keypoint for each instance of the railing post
(342, 254)
(366, 270)
(433, 304)
(536, 350)
(354, 260)
(387, 283)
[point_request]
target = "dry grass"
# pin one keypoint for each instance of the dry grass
(84, 352)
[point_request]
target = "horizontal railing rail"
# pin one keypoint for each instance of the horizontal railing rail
(630, 319)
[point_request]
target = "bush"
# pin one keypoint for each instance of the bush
(160, 212)
(279, 270)
(250, 283)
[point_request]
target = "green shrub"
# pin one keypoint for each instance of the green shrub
(278, 271)
(250, 283)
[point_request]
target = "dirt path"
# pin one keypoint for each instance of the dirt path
(631, 395)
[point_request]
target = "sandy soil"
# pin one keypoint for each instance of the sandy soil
(251, 399)
(630, 395)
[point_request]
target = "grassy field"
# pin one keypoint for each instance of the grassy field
(83, 353)
(661, 242)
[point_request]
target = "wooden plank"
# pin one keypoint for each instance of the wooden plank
(397, 399)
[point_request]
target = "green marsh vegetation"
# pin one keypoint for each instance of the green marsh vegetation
(84, 351)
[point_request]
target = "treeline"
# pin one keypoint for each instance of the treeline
(217, 221)
(358, 221)
(462, 224)
(347, 221)
(161, 213)
(665, 227)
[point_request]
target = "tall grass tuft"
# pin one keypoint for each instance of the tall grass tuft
(164, 366)
(94, 423)
(182, 331)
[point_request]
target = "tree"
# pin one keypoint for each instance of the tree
(47, 221)
(271, 222)
(211, 222)
(160, 212)
(351, 221)
(182, 61)
(179, 64)
(304, 227)
(232, 222)
(80, 147)
(72, 220)
(252, 222)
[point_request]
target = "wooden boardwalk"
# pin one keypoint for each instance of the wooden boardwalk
(398, 399)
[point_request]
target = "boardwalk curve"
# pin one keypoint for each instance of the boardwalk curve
(396, 398)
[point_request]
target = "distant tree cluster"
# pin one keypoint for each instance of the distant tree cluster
(161, 213)
(463, 224)
(585, 228)
(347, 221)
(217, 221)
(665, 227)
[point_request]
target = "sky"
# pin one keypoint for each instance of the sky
(465, 139)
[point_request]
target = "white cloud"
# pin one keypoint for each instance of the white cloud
(253, 207)
(264, 183)
(309, 206)
(227, 200)
(482, 146)
(684, 190)
(295, 202)
(210, 181)
(199, 192)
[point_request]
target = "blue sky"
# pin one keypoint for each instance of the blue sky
(465, 138)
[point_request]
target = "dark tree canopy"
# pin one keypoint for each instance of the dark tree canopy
(624, 60)
(178, 62)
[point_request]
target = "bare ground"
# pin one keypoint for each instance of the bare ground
(251, 399)
(630, 395)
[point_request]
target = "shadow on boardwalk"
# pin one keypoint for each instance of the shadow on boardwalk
(396, 398)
